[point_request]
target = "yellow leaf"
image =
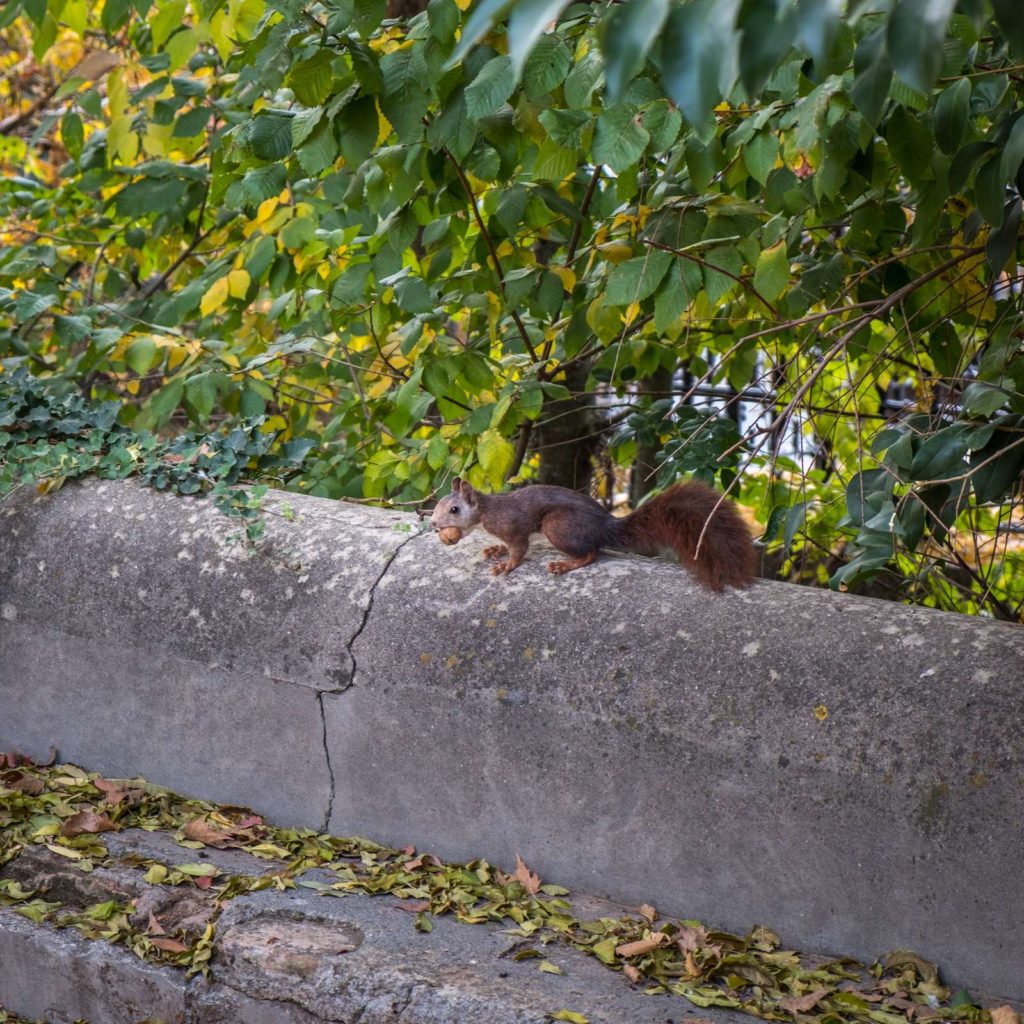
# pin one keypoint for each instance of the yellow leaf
(615, 252)
(571, 1016)
(566, 276)
(215, 297)
(238, 283)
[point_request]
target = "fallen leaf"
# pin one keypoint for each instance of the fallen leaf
(801, 1004)
(646, 910)
(548, 967)
(1004, 1015)
(572, 1017)
(900, 958)
(154, 927)
(642, 946)
(413, 906)
(14, 779)
(204, 881)
(412, 865)
(169, 945)
(249, 820)
(202, 832)
(691, 939)
(631, 972)
(522, 874)
(86, 821)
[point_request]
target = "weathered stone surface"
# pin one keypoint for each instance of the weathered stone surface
(59, 977)
(298, 958)
(136, 635)
(845, 770)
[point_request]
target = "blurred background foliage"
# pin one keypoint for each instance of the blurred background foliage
(771, 244)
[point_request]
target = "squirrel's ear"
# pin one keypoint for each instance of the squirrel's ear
(469, 495)
(457, 485)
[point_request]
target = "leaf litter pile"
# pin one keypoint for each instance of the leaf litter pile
(66, 811)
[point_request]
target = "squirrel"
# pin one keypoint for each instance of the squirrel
(579, 527)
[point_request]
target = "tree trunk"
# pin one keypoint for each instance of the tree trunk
(568, 434)
(643, 474)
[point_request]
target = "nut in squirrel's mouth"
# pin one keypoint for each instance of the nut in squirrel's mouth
(450, 534)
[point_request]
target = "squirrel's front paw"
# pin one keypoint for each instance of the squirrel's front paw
(495, 551)
(559, 568)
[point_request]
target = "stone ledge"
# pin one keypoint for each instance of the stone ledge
(845, 770)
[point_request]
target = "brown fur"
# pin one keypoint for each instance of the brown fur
(676, 518)
(578, 526)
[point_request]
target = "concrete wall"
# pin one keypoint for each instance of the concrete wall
(845, 770)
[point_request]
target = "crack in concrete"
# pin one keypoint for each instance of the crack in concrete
(327, 758)
(369, 606)
(352, 677)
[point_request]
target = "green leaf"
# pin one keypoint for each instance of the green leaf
(951, 112)
(201, 394)
(72, 134)
(698, 55)
(990, 192)
(311, 79)
(526, 24)
(484, 15)
(271, 136)
(911, 143)
(1002, 242)
(628, 33)
(490, 89)
(981, 399)
(546, 67)
(636, 279)
(771, 276)
(405, 98)
(619, 141)
(356, 128)
(496, 455)
(1013, 150)
(941, 454)
(443, 17)
(565, 127)
(818, 24)
(872, 76)
(263, 182)
(141, 355)
(1012, 24)
(367, 15)
(916, 32)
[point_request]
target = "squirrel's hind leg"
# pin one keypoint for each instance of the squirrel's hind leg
(495, 551)
(578, 536)
(561, 568)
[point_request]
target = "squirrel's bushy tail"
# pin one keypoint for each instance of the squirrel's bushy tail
(675, 519)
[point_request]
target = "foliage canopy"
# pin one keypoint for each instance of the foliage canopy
(522, 238)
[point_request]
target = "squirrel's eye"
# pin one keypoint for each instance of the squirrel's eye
(455, 510)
